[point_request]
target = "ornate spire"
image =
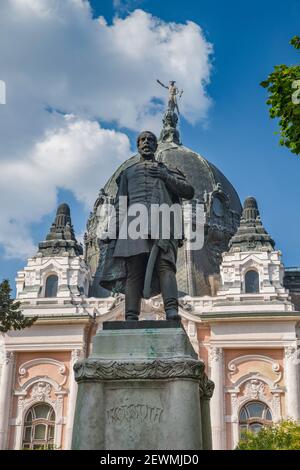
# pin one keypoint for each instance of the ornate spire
(251, 234)
(61, 237)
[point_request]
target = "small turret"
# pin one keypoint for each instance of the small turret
(251, 234)
(61, 237)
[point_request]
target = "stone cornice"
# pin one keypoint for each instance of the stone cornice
(250, 316)
(98, 370)
(68, 319)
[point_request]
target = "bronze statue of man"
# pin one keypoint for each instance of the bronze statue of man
(147, 258)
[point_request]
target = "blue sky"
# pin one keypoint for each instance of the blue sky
(248, 39)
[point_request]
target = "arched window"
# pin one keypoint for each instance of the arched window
(39, 427)
(51, 286)
(253, 416)
(251, 282)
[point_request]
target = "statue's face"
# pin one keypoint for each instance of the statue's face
(147, 144)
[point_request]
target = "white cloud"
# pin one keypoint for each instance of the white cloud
(53, 54)
(73, 157)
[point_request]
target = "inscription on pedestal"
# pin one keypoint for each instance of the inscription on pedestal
(134, 413)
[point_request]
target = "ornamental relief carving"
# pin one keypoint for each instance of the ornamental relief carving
(76, 355)
(215, 354)
(255, 390)
(234, 405)
(33, 392)
(151, 309)
(24, 368)
(290, 353)
(207, 387)
(251, 261)
(8, 357)
(276, 407)
(236, 368)
(41, 391)
(153, 304)
(113, 370)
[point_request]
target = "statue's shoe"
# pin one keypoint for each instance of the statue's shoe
(131, 317)
(172, 315)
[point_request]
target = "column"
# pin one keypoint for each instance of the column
(75, 355)
(217, 405)
(291, 383)
(5, 396)
(235, 419)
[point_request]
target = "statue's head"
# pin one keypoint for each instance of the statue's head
(147, 144)
(172, 82)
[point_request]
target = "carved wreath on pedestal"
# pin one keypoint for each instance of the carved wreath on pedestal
(115, 370)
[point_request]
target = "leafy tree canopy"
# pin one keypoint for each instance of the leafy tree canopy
(282, 436)
(11, 317)
(283, 86)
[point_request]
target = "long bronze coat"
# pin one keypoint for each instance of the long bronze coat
(139, 187)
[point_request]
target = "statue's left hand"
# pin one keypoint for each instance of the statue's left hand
(157, 171)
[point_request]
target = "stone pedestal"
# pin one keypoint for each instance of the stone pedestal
(142, 388)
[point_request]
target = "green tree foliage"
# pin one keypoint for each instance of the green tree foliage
(282, 436)
(11, 317)
(283, 84)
